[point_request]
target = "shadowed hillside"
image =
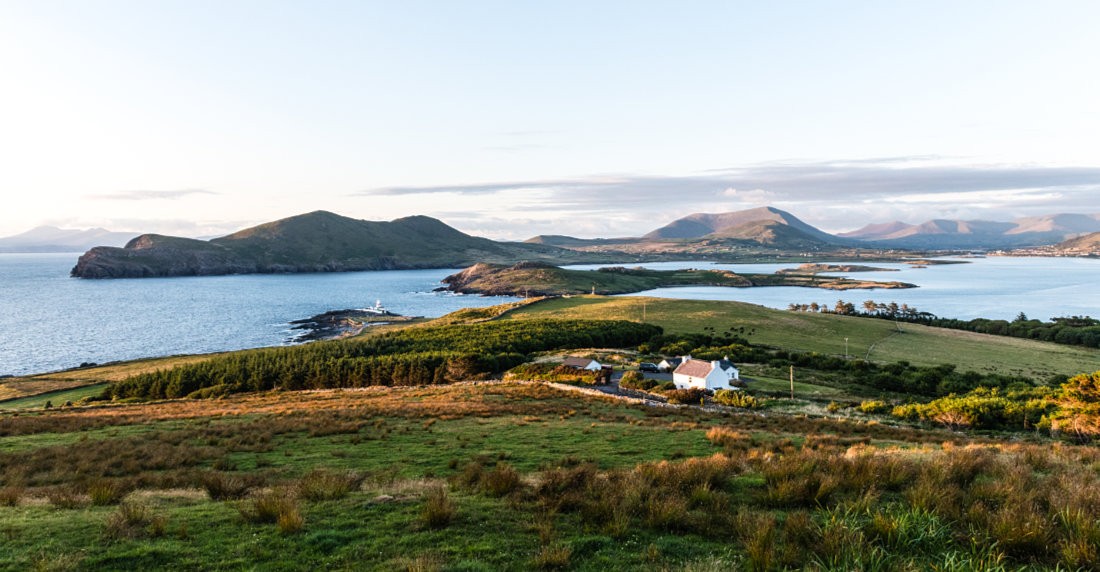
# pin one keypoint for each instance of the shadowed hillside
(315, 242)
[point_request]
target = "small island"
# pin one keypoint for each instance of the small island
(818, 268)
(540, 279)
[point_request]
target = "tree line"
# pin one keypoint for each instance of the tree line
(412, 356)
(1071, 330)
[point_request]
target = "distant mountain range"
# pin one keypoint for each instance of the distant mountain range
(54, 239)
(763, 226)
(978, 234)
(769, 226)
(325, 242)
(315, 242)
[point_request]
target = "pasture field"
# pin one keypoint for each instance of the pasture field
(878, 340)
(492, 476)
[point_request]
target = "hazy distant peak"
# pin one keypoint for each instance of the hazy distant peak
(698, 225)
(877, 229)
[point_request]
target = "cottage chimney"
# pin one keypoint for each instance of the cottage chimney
(716, 364)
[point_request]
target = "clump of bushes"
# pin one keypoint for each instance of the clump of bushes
(691, 395)
(874, 406)
(636, 380)
(737, 398)
(556, 373)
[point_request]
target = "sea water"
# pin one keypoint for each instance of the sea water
(998, 287)
(49, 321)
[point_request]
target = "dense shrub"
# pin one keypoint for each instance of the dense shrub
(737, 398)
(557, 373)
(874, 406)
(691, 395)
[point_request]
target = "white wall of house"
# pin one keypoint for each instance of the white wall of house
(593, 366)
(718, 378)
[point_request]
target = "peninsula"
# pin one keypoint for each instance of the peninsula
(541, 279)
(319, 241)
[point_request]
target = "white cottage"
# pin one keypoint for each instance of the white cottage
(582, 363)
(705, 374)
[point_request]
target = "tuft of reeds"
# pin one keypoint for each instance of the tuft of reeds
(321, 484)
(135, 520)
(220, 486)
(439, 510)
(10, 495)
(105, 492)
(553, 556)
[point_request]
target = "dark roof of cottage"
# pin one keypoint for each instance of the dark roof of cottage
(674, 361)
(695, 368)
(576, 361)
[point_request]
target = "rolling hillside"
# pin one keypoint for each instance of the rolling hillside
(315, 242)
(878, 340)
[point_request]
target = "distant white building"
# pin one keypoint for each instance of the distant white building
(716, 374)
(582, 363)
(671, 363)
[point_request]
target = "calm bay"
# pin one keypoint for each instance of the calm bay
(49, 321)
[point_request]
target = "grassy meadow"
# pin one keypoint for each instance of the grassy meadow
(497, 476)
(877, 340)
(489, 475)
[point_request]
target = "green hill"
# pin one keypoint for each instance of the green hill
(315, 242)
(877, 340)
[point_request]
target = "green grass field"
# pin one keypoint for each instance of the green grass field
(880, 340)
(530, 477)
(56, 398)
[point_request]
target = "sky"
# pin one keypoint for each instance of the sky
(516, 118)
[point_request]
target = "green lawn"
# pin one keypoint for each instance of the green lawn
(56, 398)
(880, 340)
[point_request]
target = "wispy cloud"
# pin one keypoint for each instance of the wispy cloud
(146, 195)
(837, 195)
(866, 178)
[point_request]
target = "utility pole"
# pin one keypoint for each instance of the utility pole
(792, 381)
(643, 311)
(845, 348)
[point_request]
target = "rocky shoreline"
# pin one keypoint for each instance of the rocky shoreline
(336, 324)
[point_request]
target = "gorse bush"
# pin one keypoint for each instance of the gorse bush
(412, 356)
(874, 406)
(737, 398)
(689, 396)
